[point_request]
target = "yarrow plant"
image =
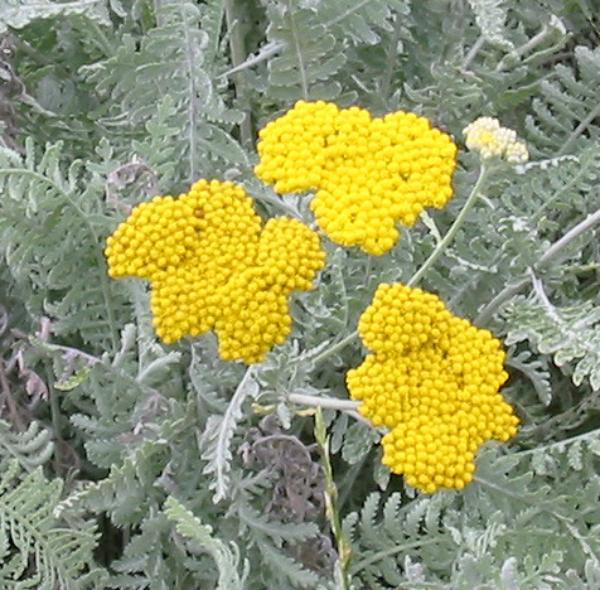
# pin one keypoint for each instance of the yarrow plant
(299, 295)
(433, 379)
(488, 137)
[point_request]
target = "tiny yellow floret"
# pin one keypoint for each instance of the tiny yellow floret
(369, 173)
(213, 266)
(433, 379)
(490, 139)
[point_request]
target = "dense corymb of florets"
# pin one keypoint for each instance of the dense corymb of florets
(433, 379)
(212, 266)
(368, 173)
(254, 303)
(490, 139)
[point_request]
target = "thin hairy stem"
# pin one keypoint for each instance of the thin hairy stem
(473, 52)
(447, 239)
(559, 444)
(580, 129)
(342, 405)
(264, 53)
(192, 106)
(526, 47)
(335, 348)
(551, 254)
(361, 565)
(298, 48)
(322, 402)
(388, 72)
(346, 13)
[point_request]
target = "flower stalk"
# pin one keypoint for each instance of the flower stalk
(449, 237)
(342, 574)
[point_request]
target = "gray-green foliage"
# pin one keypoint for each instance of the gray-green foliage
(127, 464)
(226, 557)
(17, 14)
(570, 335)
(30, 449)
(49, 209)
(491, 18)
(37, 551)
(476, 539)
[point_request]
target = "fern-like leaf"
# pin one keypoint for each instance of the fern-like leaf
(170, 62)
(217, 438)
(535, 369)
(51, 235)
(226, 556)
(44, 554)
(309, 55)
(287, 568)
(570, 334)
(23, 12)
(569, 105)
(31, 448)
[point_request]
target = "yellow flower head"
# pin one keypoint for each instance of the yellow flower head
(486, 136)
(433, 379)
(197, 249)
(368, 173)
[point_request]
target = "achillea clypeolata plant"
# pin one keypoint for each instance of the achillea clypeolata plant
(432, 379)
(364, 356)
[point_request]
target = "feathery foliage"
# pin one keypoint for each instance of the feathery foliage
(132, 465)
(36, 551)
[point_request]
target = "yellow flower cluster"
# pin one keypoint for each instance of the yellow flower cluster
(488, 137)
(433, 380)
(369, 173)
(212, 266)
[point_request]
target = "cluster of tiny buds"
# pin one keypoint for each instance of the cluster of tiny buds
(213, 267)
(433, 380)
(368, 173)
(490, 139)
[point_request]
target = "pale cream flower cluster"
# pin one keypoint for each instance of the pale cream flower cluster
(488, 137)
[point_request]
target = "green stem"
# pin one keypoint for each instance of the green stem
(473, 52)
(447, 239)
(298, 48)
(392, 57)
(333, 349)
(342, 574)
(580, 129)
(389, 552)
(55, 417)
(323, 402)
